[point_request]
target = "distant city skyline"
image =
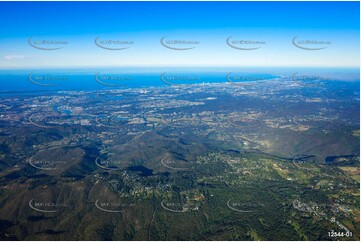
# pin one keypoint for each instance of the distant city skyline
(257, 34)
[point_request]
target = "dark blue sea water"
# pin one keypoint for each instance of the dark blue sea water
(29, 82)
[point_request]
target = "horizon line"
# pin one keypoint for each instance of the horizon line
(168, 66)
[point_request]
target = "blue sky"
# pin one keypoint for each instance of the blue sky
(209, 23)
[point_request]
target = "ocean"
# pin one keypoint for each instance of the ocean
(28, 82)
